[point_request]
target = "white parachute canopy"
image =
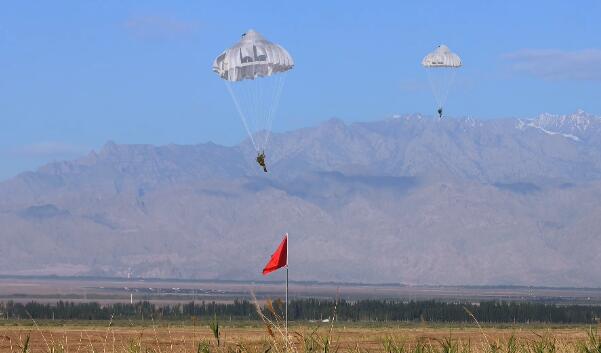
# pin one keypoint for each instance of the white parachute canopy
(254, 71)
(441, 65)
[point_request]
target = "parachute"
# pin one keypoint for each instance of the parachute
(441, 65)
(254, 71)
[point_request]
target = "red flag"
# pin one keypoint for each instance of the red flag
(279, 258)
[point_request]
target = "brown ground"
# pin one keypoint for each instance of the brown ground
(169, 291)
(176, 338)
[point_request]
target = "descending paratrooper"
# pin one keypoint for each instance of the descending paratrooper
(441, 65)
(261, 161)
(254, 71)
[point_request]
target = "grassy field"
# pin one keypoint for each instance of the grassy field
(196, 336)
(306, 338)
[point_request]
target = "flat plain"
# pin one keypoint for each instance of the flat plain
(174, 337)
(161, 291)
(194, 335)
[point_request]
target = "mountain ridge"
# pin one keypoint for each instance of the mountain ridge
(407, 200)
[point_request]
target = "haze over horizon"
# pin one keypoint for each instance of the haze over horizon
(407, 199)
(65, 153)
(74, 75)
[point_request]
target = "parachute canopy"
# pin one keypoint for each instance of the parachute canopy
(441, 57)
(254, 71)
(253, 56)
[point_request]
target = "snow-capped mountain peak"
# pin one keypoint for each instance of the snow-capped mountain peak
(576, 126)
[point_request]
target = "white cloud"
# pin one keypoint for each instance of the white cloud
(414, 85)
(159, 27)
(552, 64)
(48, 149)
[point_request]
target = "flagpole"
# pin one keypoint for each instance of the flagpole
(287, 255)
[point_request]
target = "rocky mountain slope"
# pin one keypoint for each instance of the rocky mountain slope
(408, 199)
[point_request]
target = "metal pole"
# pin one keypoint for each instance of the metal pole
(287, 254)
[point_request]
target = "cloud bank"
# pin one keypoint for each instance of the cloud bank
(159, 27)
(48, 149)
(552, 64)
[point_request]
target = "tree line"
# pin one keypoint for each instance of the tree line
(311, 309)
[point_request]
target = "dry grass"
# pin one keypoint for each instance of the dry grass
(303, 339)
(272, 337)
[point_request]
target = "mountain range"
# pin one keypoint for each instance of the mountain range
(409, 199)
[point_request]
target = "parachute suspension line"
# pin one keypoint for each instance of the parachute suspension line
(434, 89)
(258, 105)
(441, 80)
(277, 93)
(449, 84)
(256, 102)
(256, 89)
(280, 81)
(241, 113)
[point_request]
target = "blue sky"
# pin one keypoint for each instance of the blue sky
(74, 74)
